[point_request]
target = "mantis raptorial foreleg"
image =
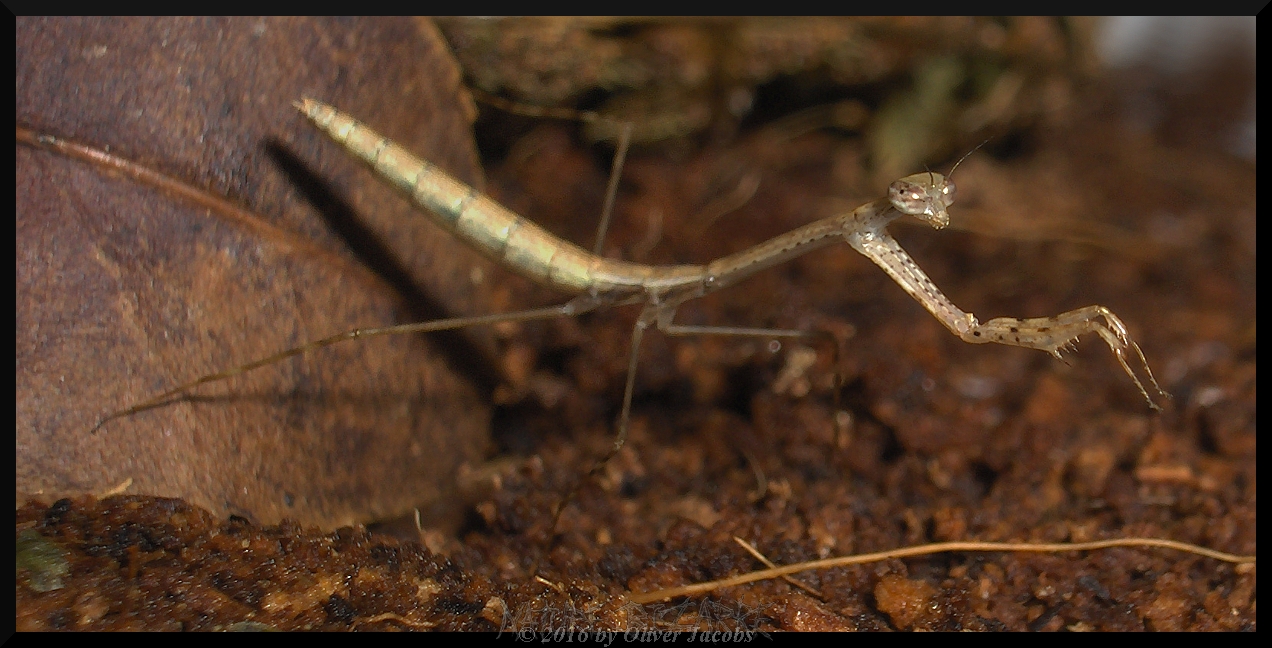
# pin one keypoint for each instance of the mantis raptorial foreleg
(1050, 334)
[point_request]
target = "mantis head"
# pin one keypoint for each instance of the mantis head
(924, 196)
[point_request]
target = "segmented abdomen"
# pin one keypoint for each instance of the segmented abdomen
(478, 220)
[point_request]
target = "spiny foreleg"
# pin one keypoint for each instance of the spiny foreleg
(1057, 334)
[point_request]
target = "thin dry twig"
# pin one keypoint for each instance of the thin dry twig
(750, 548)
(933, 548)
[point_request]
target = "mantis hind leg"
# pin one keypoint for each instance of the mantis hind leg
(573, 307)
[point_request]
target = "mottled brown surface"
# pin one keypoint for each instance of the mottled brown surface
(251, 233)
(923, 438)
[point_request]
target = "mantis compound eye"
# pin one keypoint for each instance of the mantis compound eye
(908, 197)
(948, 190)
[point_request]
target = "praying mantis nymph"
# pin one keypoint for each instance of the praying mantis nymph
(597, 281)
